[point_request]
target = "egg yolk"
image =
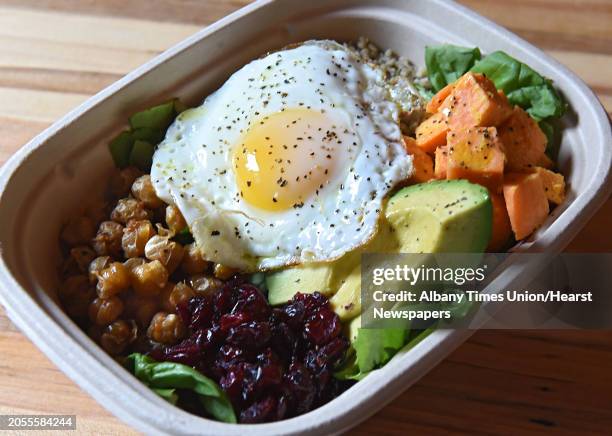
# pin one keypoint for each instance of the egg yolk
(287, 157)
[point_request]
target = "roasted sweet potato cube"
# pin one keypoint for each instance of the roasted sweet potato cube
(524, 141)
(421, 161)
(476, 154)
(526, 202)
(441, 161)
(554, 185)
(437, 100)
(431, 133)
(475, 102)
(501, 224)
(545, 162)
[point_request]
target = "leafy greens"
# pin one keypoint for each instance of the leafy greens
(522, 85)
(168, 378)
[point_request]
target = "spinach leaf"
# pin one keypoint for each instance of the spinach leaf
(155, 118)
(523, 86)
(166, 377)
(135, 146)
(373, 348)
(446, 63)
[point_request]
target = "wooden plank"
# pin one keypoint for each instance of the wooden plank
(125, 34)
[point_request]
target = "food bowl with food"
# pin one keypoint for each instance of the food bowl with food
(186, 245)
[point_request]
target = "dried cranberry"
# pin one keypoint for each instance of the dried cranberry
(323, 326)
(228, 353)
(300, 384)
(201, 313)
(184, 312)
(269, 375)
(223, 300)
(186, 352)
(294, 314)
(252, 335)
(284, 341)
(251, 302)
(311, 301)
(232, 383)
(260, 411)
(229, 320)
(207, 339)
(282, 407)
(272, 363)
(316, 359)
(267, 357)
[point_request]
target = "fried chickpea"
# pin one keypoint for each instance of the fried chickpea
(174, 219)
(96, 266)
(113, 280)
(166, 328)
(141, 309)
(78, 231)
(135, 236)
(75, 294)
(204, 284)
(72, 286)
(193, 261)
(224, 272)
(149, 278)
(108, 239)
(143, 190)
(133, 262)
(169, 253)
(172, 295)
(117, 336)
(82, 256)
(122, 182)
(103, 311)
(130, 209)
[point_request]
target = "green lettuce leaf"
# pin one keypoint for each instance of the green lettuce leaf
(136, 145)
(523, 85)
(166, 377)
(372, 349)
(446, 63)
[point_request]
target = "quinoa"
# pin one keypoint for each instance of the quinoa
(400, 75)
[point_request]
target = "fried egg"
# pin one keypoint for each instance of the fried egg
(288, 162)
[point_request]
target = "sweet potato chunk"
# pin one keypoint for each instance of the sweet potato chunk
(545, 162)
(554, 185)
(476, 154)
(441, 158)
(524, 141)
(431, 133)
(422, 162)
(501, 224)
(526, 203)
(475, 102)
(437, 100)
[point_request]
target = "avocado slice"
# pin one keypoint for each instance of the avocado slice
(441, 216)
(327, 277)
(433, 217)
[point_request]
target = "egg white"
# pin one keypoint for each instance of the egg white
(192, 167)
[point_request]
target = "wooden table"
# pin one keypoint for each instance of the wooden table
(56, 53)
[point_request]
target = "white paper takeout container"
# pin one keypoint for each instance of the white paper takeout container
(51, 176)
